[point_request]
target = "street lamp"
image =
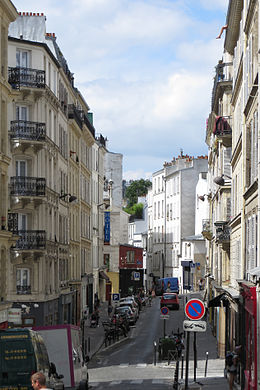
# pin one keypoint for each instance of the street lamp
(72, 198)
(220, 181)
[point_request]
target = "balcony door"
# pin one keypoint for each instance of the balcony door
(22, 58)
(21, 113)
(21, 168)
(23, 281)
(22, 222)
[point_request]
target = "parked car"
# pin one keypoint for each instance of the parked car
(131, 300)
(130, 311)
(170, 300)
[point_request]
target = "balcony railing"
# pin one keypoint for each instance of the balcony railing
(222, 126)
(27, 186)
(223, 76)
(31, 239)
(27, 130)
(206, 229)
(26, 77)
(74, 113)
(222, 231)
(21, 290)
(89, 125)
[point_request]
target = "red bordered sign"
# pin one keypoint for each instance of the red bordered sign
(194, 309)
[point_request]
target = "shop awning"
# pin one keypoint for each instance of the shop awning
(103, 275)
(219, 300)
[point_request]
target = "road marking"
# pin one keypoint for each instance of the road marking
(158, 381)
(136, 382)
(141, 365)
(115, 383)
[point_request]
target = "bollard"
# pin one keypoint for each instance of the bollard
(176, 376)
(154, 353)
(182, 364)
(206, 364)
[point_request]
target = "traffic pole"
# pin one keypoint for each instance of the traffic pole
(187, 361)
(164, 328)
(195, 354)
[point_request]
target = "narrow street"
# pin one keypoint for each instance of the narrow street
(130, 364)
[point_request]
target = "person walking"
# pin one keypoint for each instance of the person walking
(39, 381)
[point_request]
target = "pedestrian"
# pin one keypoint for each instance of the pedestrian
(39, 381)
(109, 309)
(231, 367)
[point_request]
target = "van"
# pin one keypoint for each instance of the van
(22, 353)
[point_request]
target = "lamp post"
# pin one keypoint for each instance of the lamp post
(72, 198)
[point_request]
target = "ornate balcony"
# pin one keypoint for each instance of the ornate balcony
(26, 77)
(27, 130)
(76, 114)
(206, 229)
(31, 240)
(223, 130)
(222, 82)
(27, 186)
(222, 231)
(23, 290)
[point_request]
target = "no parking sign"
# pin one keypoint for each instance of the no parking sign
(194, 309)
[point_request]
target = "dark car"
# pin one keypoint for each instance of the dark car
(170, 300)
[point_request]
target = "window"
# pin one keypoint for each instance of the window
(130, 257)
(22, 58)
(154, 210)
(159, 209)
(23, 281)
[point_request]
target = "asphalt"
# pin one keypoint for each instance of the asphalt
(215, 380)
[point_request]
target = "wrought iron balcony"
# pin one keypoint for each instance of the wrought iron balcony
(206, 229)
(75, 114)
(27, 130)
(31, 239)
(222, 127)
(223, 78)
(21, 290)
(26, 77)
(27, 186)
(222, 231)
(89, 125)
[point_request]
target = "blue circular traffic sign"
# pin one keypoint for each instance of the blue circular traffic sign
(164, 310)
(195, 309)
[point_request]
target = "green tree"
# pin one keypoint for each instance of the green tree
(135, 189)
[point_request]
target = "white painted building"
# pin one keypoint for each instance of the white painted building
(171, 213)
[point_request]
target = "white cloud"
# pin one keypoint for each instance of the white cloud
(145, 68)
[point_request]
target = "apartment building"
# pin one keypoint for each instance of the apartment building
(171, 214)
(50, 274)
(7, 238)
(233, 245)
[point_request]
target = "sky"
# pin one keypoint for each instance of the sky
(145, 68)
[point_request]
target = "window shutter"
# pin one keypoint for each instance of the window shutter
(226, 162)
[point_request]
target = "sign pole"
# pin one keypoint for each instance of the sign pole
(187, 361)
(195, 354)
(164, 328)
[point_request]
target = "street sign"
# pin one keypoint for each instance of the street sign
(136, 275)
(115, 297)
(164, 316)
(164, 310)
(194, 309)
(194, 326)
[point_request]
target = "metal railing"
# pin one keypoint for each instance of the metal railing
(28, 130)
(222, 126)
(31, 239)
(74, 113)
(21, 290)
(223, 75)
(27, 186)
(26, 77)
